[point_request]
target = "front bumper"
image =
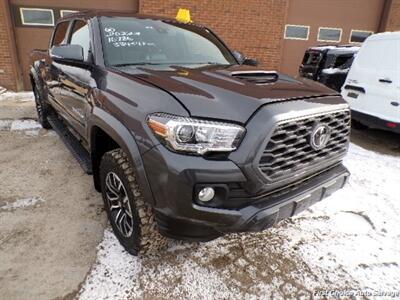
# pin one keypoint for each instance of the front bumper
(246, 199)
(173, 179)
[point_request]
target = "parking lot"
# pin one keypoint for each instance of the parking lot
(55, 242)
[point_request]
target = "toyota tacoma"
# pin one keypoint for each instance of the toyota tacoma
(185, 138)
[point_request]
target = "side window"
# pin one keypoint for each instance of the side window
(80, 36)
(60, 34)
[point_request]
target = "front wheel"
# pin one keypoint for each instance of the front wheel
(132, 220)
(42, 108)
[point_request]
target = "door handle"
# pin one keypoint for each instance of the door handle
(384, 80)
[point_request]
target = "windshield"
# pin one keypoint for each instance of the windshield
(130, 41)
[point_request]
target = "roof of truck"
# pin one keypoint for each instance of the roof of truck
(339, 49)
(88, 14)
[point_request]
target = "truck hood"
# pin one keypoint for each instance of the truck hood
(226, 92)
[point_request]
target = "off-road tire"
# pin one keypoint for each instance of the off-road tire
(145, 239)
(42, 108)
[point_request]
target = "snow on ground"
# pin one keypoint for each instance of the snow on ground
(29, 127)
(25, 125)
(5, 124)
(22, 203)
(350, 241)
(20, 96)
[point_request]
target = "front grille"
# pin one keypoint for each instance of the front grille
(289, 151)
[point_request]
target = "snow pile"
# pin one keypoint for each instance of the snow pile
(28, 126)
(114, 275)
(323, 48)
(25, 125)
(347, 49)
(331, 71)
(20, 96)
(349, 241)
(5, 124)
(22, 203)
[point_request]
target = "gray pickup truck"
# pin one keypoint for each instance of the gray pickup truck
(185, 138)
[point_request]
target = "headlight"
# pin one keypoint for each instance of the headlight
(183, 134)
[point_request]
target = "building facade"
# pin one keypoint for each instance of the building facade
(276, 32)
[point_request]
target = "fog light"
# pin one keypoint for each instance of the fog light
(206, 194)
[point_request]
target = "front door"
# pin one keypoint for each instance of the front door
(76, 81)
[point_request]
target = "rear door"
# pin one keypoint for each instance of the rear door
(376, 70)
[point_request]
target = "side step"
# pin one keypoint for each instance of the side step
(77, 150)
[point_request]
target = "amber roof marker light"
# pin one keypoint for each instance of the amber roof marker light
(183, 16)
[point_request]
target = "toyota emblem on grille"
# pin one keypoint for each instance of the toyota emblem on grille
(320, 136)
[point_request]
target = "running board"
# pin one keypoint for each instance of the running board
(77, 150)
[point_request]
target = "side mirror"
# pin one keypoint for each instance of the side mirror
(243, 60)
(67, 53)
(239, 56)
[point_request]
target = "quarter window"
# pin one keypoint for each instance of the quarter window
(37, 16)
(359, 36)
(80, 36)
(60, 34)
(329, 34)
(297, 32)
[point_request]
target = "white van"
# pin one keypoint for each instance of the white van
(372, 87)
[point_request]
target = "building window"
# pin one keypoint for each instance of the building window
(37, 16)
(297, 32)
(329, 34)
(359, 36)
(65, 12)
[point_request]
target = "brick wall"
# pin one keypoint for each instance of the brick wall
(254, 27)
(8, 66)
(394, 17)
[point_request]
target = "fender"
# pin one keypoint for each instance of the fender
(33, 73)
(35, 78)
(121, 135)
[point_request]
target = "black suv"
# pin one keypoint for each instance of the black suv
(328, 64)
(183, 137)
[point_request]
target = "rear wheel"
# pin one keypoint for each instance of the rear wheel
(42, 108)
(131, 218)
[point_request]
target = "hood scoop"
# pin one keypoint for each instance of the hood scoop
(256, 77)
